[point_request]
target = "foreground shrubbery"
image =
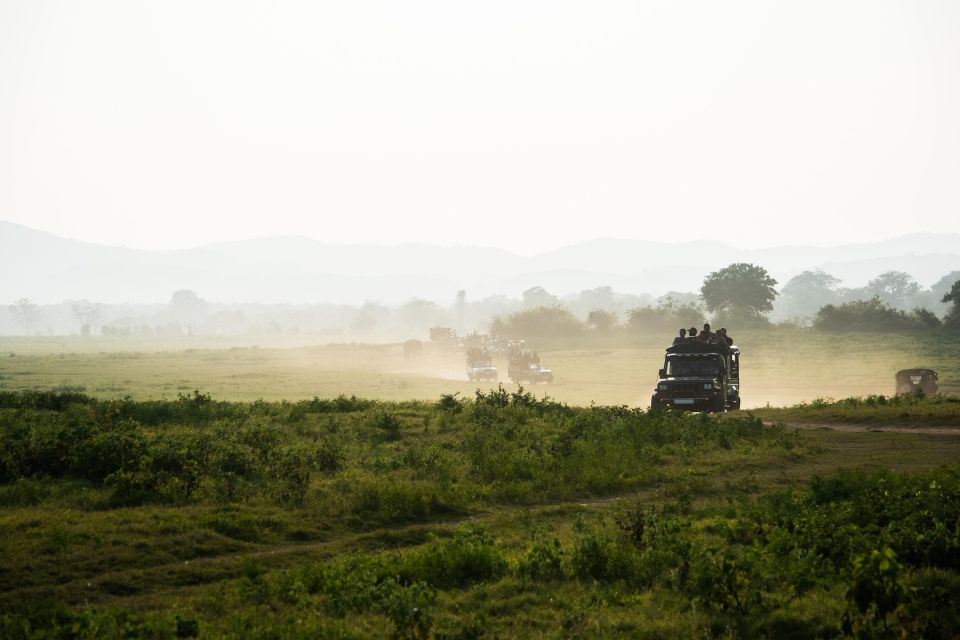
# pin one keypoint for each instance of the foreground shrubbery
(98, 495)
(509, 446)
(868, 555)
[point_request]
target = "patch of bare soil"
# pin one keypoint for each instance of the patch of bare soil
(892, 428)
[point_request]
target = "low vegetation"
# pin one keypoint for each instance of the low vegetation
(503, 514)
(874, 410)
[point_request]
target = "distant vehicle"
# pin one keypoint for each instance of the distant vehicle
(699, 376)
(445, 337)
(531, 372)
(482, 370)
(412, 349)
(913, 380)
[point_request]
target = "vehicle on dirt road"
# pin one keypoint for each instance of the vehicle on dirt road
(699, 376)
(480, 365)
(913, 380)
(529, 372)
(482, 370)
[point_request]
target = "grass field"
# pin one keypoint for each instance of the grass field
(501, 516)
(132, 505)
(780, 367)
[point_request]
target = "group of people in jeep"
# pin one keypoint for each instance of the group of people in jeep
(706, 335)
(478, 354)
(521, 357)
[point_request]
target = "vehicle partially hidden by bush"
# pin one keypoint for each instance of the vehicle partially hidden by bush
(914, 380)
(699, 376)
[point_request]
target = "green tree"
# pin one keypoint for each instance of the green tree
(370, 316)
(806, 293)
(602, 320)
(421, 314)
(952, 319)
(539, 297)
(896, 288)
(537, 322)
(25, 313)
(187, 307)
(668, 315)
(87, 314)
(740, 294)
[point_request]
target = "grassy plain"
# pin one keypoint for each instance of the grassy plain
(501, 516)
(780, 367)
(491, 515)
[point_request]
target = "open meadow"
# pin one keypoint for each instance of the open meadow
(216, 489)
(780, 367)
(499, 516)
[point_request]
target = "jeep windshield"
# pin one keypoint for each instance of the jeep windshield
(693, 368)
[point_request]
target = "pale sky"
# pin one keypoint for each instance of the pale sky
(523, 125)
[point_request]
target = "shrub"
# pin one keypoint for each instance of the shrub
(542, 561)
(292, 470)
(669, 315)
(388, 424)
(539, 322)
(469, 555)
(870, 315)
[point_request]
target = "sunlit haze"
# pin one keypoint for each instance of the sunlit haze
(524, 126)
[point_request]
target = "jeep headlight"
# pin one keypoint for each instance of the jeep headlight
(708, 385)
(661, 387)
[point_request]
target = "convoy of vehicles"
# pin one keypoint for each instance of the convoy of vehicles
(698, 374)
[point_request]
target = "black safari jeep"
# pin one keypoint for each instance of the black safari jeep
(699, 376)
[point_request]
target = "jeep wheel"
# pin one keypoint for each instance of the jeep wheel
(718, 405)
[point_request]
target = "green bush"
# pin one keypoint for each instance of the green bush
(872, 315)
(469, 555)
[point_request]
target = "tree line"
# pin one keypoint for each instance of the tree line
(741, 295)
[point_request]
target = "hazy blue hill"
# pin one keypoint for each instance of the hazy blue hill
(51, 269)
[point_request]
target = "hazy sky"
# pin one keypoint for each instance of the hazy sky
(524, 125)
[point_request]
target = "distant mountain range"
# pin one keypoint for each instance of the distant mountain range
(50, 269)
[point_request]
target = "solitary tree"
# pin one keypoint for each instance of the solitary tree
(87, 314)
(187, 307)
(741, 293)
(25, 313)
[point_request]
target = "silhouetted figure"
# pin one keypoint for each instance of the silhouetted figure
(692, 334)
(706, 335)
(682, 338)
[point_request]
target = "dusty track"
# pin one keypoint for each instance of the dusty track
(892, 428)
